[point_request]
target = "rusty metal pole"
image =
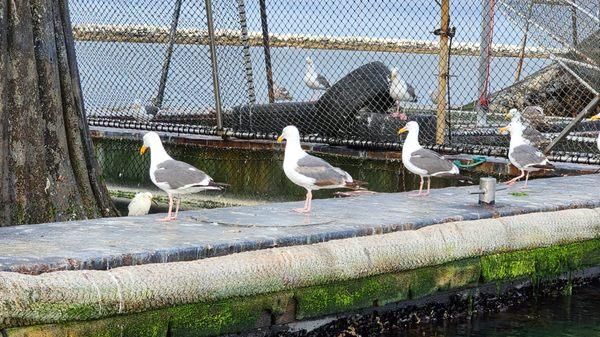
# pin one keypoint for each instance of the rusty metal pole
(214, 64)
(524, 43)
(158, 100)
(440, 134)
(265, 36)
(246, 52)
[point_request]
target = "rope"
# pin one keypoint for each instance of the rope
(476, 161)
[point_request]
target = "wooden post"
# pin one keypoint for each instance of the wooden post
(440, 134)
(574, 24)
(524, 43)
(265, 35)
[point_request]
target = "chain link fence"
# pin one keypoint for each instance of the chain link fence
(346, 72)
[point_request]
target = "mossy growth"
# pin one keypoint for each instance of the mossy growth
(236, 315)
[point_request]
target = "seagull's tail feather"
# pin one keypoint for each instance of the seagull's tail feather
(544, 166)
(218, 186)
(457, 177)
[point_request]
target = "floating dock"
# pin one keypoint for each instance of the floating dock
(239, 269)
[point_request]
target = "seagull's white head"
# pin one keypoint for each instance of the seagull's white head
(411, 126)
(309, 61)
(512, 113)
(137, 104)
(394, 74)
(515, 126)
(289, 133)
(151, 139)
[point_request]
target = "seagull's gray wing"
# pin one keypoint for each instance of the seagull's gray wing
(535, 137)
(525, 155)
(321, 171)
(178, 174)
(411, 93)
(430, 161)
(323, 81)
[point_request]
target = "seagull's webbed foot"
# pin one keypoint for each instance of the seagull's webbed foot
(400, 115)
(510, 182)
(166, 219)
(301, 210)
(420, 194)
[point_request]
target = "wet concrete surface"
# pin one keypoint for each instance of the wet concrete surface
(113, 242)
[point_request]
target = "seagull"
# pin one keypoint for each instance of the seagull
(143, 113)
(308, 171)
(523, 156)
(173, 176)
(594, 118)
(281, 94)
(312, 79)
(530, 134)
(140, 204)
(401, 92)
(425, 163)
(534, 115)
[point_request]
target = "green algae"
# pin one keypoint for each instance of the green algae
(237, 315)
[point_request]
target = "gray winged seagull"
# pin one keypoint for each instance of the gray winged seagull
(401, 92)
(314, 80)
(530, 134)
(173, 176)
(595, 118)
(425, 163)
(522, 155)
(308, 171)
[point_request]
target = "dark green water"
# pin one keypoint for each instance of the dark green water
(575, 315)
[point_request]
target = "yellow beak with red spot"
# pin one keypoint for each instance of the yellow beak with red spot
(403, 130)
(143, 149)
(595, 118)
(279, 139)
(503, 129)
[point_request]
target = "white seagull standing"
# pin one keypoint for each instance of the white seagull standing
(401, 92)
(312, 79)
(173, 176)
(522, 155)
(310, 172)
(530, 134)
(425, 163)
(594, 118)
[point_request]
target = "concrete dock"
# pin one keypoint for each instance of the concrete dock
(109, 243)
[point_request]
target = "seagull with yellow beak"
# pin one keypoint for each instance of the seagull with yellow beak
(595, 118)
(425, 163)
(308, 171)
(522, 155)
(173, 176)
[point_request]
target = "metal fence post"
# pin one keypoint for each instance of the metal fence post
(158, 100)
(265, 35)
(213, 60)
(524, 42)
(440, 134)
(487, 24)
(246, 51)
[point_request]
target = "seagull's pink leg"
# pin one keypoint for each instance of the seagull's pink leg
(400, 115)
(168, 218)
(420, 189)
(309, 202)
(306, 203)
(177, 208)
(428, 186)
(515, 179)
(526, 179)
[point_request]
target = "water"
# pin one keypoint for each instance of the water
(575, 315)
(114, 74)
